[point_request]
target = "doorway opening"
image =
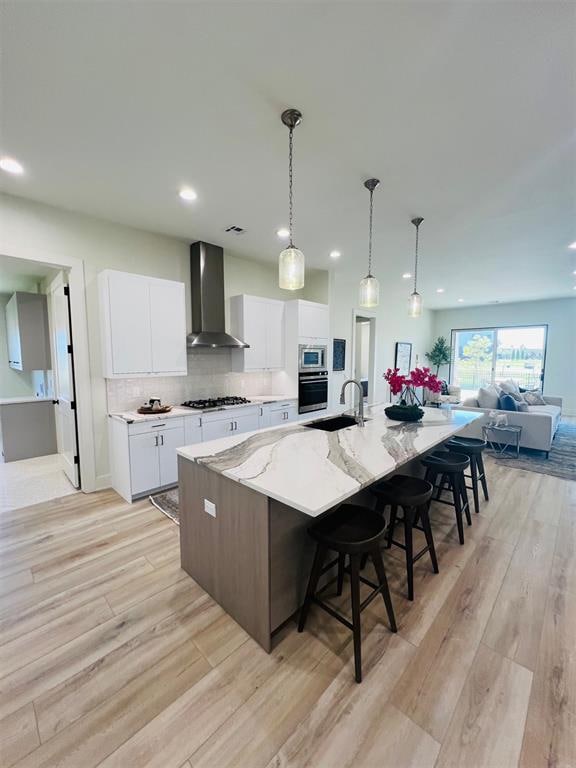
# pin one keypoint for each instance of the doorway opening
(39, 455)
(364, 348)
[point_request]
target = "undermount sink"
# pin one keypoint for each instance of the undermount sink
(334, 424)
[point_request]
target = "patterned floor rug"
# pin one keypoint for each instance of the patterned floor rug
(561, 461)
(168, 502)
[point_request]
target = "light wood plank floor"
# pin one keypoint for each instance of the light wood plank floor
(112, 656)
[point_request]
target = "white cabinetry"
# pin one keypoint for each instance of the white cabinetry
(313, 320)
(229, 422)
(275, 414)
(143, 325)
(27, 332)
(143, 455)
(260, 323)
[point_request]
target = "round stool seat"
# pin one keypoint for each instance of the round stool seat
(404, 490)
(442, 461)
(466, 445)
(351, 529)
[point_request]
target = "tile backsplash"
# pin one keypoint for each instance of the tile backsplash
(209, 375)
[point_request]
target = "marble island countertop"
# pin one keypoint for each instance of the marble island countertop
(312, 470)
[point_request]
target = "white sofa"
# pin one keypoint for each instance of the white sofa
(539, 423)
(435, 398)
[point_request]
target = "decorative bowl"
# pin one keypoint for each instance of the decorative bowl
(404, 412)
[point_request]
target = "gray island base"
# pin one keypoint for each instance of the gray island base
(246, 503)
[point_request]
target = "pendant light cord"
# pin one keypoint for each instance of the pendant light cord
(416, 260)
(290, 181)
(370, 234)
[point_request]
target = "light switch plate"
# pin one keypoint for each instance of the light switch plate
(210, 507)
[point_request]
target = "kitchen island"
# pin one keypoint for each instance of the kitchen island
(246, 502)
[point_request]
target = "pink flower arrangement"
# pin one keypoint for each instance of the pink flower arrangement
(406, 385)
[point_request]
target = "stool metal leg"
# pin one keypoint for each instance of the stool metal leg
(465, 503)
(424, 517)
(408, 524)
(456, 495)
(341, 564)
(356, 631)
(483, 476)
(391, 525)
(381, 573)
(474, 475)
(312, 584)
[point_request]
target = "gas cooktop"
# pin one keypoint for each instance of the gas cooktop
(213, 403)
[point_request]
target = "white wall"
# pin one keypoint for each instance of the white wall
(392, 325)
(34, 227)
(558, 314)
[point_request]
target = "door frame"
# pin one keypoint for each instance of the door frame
(495, 350)
(371, 316)
(80, 341)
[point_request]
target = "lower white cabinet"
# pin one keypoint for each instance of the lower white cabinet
(143, 455)
(229, 422)
(276, 414)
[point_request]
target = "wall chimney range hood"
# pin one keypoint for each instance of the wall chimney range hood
(207, 280)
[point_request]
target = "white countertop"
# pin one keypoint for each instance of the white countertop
(312, 470)
(17, 400)
(134, 416)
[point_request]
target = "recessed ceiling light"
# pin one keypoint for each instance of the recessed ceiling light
(187, 194)
(283, 233)
(460, 300)
(335, 254)
(439, 290)
(10, 165)
(407, 275)
(573, 245)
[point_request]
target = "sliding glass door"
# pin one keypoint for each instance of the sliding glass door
(484, 356)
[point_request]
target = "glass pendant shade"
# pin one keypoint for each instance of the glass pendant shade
(369, 292)
(415, 305)
(291, 269)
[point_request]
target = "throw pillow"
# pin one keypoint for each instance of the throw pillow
(507, 403)
(488, 397)
(444, 388)
(510, 388)
(522, 406)
(534, 398)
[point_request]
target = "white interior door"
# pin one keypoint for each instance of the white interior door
(64, 396)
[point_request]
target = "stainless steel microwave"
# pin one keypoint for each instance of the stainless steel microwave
(312, 357)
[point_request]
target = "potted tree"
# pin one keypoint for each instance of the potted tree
(440, 353)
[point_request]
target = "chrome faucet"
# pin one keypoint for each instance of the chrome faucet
(360, 415)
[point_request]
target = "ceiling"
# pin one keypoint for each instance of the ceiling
(465, 111)
(21, 274)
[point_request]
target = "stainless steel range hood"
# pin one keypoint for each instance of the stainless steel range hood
(207, 279)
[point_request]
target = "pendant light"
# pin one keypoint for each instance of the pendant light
(369, 286)
(291, 261)
(415, 300)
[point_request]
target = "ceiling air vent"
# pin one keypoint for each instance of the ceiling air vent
(234, 230)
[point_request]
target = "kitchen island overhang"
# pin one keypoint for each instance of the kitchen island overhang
(247, 501)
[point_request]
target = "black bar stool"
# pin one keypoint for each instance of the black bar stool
(471, 447)
(412, 494)
(354, 531)
(450, 467)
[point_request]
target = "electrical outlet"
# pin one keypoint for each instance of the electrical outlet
(210, 507)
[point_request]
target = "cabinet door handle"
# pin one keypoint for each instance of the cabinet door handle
(162, 439)
(156, 440)
(235, 425)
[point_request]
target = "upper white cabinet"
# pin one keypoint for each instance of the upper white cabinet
(313, 320)
(27, 331)
(143, 325)
(260, 323)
